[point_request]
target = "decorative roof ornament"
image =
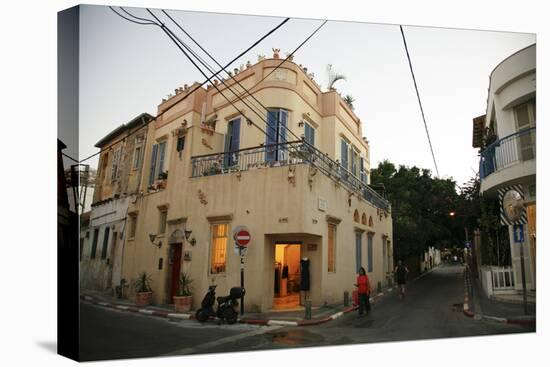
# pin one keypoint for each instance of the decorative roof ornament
(276, 52)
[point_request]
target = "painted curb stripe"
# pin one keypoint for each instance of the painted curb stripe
(147, 312)
(122, 307)
(281, 323)
(254, 322)
(179, 316)
(336, 315)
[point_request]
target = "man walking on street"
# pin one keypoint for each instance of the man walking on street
(401, 273)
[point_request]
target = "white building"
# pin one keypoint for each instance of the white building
(506, 136)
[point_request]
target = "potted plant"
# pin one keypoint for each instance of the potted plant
(183, 298)
(142, 286)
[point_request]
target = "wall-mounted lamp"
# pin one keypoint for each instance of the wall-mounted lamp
(301, 123)
(187, 234)
(152, 238)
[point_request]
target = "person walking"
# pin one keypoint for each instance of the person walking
(401, 274)
(363, 291)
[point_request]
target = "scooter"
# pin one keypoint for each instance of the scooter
(226, 305)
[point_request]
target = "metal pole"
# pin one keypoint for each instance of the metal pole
(523, 278)
(242, 279)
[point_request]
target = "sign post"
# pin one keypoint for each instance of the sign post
(512, 205)
(242, 237)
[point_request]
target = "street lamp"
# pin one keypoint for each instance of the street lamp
(152, 237)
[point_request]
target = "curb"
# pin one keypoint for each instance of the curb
(478, 316)
(145, 311)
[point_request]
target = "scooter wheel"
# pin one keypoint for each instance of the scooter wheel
(230, 315)
(201, 315)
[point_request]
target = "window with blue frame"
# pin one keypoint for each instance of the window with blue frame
(232, 142)
(369, 253)
(309, 134)
(344, 148)
(157, 161)
(358, 251)
(277, 122)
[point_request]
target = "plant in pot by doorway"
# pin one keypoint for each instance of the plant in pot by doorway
(142, 286)
(183, 298)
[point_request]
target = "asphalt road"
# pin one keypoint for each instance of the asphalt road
(432, 308)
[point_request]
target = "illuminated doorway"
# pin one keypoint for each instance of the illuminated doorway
(286, 276)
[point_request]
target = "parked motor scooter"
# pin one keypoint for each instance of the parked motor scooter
(227, 306)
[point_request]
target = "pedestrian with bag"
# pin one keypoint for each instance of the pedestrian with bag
(363, 291)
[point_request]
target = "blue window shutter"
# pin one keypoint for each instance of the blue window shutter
(283, 117)
(271, 136)
(344, 154)
(369, 253)
(309, 134)
(362, 167)
(153, 164)
(357, 251)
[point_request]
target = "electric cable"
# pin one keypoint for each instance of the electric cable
(419, 101)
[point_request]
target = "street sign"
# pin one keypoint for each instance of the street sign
(240, 251)
(241, 235)
(518, 233)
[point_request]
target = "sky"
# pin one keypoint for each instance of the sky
(126, 69)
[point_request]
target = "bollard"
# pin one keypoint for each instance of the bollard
(346, 299)
(308, 310)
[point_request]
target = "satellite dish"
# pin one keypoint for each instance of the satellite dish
(512, 205)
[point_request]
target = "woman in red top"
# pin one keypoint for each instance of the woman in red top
(363, 290)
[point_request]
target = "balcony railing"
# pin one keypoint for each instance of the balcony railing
(282, 154)
(517, 147)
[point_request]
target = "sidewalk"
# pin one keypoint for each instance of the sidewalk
(477, 305)
(295, 317)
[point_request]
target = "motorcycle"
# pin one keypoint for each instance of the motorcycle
(227, 306)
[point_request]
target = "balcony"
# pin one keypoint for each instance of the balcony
(512, 149)
(283, 154)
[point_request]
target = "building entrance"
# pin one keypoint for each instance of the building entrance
(286, 276)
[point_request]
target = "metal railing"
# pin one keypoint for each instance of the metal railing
(282, 154)
(517, 147)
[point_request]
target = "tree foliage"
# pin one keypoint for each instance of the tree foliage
(421, 205)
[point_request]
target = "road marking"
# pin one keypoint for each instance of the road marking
(228, 339)
(282, 323)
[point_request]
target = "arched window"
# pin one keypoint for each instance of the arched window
(364, 219)
(356, 216)
(370, 221)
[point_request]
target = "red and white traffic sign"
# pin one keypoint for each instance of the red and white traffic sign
(241, 235)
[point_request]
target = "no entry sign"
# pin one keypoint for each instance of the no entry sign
(241, 235)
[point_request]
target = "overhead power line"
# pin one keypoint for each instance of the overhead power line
(196, 87)
(419, 101)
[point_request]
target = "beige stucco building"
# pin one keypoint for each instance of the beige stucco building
(117, 183)
(300, 186)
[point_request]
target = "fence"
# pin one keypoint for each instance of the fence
(274, 155)
(497, 279)
(517, 147)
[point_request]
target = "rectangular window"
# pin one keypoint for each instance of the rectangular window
(353, 162)
(277, 120)
(153, 167)
(309, 134)
(525, 118)
(344, 154)
(162, 221)
(81, 247)
(114, 165)
(362, 170)
(232, 142)
(369, 253)
(94, 243)
(162, 153)
(105, 243)
(331, 248)
(137, 157)
(132, 225)
(218, 248)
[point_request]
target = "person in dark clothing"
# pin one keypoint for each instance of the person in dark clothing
(363, 291)
(401, 274)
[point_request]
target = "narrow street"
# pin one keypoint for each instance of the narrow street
(432, 309)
